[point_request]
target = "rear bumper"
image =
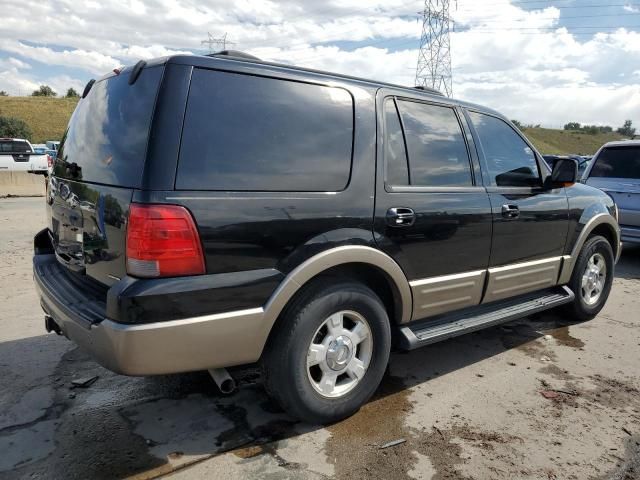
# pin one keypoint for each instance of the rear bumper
(182, 345)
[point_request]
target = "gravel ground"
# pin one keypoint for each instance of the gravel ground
(468, 408)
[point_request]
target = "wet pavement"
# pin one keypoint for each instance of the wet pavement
(472, 407)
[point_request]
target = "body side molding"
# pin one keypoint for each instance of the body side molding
(519, 278)
(443, 294)
(596, 220)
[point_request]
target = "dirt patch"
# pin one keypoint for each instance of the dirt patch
(614, 394)
(556, 372)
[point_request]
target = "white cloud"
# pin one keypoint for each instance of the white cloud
(517, 61)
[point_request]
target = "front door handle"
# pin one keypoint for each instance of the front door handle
(510, 211)
(400, 217)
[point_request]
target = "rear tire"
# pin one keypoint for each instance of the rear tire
(329, 352)
(591, 279)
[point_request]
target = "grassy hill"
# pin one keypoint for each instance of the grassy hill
(549, 141)
(47, 117)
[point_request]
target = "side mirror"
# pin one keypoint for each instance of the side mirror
(564, 173)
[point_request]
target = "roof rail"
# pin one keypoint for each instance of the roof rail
(234, 54)
(427, 89)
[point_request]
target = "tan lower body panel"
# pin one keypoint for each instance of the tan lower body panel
(433, 296)
(521, 278)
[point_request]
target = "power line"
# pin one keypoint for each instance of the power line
(434, 57)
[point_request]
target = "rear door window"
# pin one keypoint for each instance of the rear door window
(106, 140)
(249, 133)
(510, 162)
(437, 152)
(12, 146)
(618, 162)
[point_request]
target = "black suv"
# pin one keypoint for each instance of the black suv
(209, 212)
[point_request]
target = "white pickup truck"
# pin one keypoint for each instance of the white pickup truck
(17, 155)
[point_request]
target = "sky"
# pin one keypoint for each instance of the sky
(544, 62)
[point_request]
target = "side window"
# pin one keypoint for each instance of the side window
(437, 151)
(250, 133)
(394, 152)
(510, 161)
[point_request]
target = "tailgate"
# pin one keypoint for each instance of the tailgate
(88, 227)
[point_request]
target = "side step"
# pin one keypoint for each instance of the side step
(425, 332)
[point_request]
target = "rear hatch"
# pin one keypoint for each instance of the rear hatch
(18, 150)
(99, 165)
(617, 171)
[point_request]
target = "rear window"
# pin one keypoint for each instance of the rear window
(617, 162)
(107, 136)
(11, 146)
(246, 133)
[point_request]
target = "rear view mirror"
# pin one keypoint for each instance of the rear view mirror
(564, 173)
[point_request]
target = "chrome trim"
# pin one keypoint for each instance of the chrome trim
(519, 278)
(599, 219)
(435, 295)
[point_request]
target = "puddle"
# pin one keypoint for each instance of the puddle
(562, 336)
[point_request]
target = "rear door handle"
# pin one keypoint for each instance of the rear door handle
(400, 217)
(510, 211)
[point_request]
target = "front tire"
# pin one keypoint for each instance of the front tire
(329, 352)
(591, 279)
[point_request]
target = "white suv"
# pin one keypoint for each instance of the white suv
(17, 155)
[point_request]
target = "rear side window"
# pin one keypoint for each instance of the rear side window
(618, 162)
(436, 148)
(509, 160)
(251, 133)
(11, 146)
(106, 140)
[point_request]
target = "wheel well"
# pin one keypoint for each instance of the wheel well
(373, 278)
(607, 232)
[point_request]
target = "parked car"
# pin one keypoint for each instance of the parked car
(616, 170)
(53, 145)
(304, 221)
(17, 154)
(583, 161)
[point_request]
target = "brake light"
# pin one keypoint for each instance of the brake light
(162, 241)
(49, 161)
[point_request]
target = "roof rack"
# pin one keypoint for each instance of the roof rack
(427, 89)
(235, 54)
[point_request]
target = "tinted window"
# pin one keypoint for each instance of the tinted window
(437, 151)
(394, 152)
(106, 139)
(244, 132)
(618, 162)
(9, 146)
(510, 161)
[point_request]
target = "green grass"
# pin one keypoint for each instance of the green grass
(47, 117)
(549, 141)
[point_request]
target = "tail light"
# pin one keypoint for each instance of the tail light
(49, 161)
(162, 241)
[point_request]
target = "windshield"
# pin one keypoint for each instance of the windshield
(618, 162)
(12, 146)
(106, 139)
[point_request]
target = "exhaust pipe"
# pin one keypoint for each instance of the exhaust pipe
(223, 380)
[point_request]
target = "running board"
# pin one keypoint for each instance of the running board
(433, 330)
